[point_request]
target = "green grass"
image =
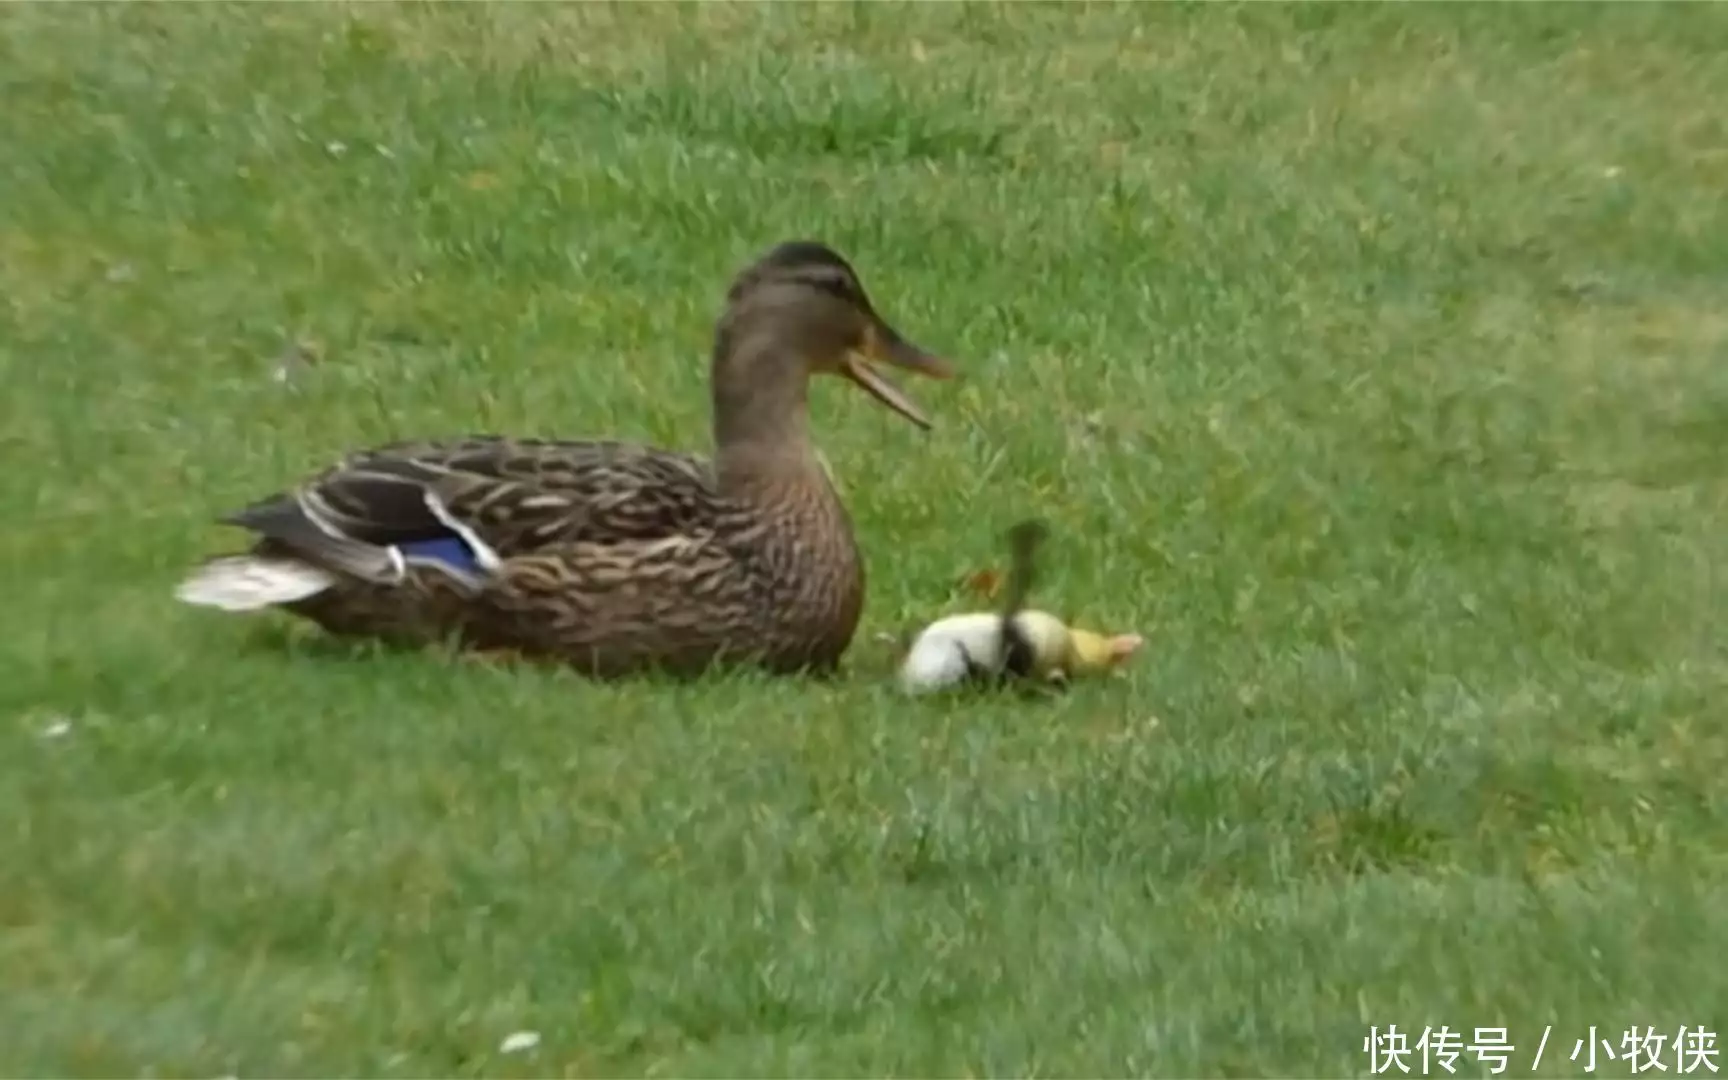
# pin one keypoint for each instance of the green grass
(1372, 361)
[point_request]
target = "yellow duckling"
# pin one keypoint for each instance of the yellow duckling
(1013, 644)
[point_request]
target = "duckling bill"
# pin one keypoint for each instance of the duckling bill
(608, 556)
(1014, 644)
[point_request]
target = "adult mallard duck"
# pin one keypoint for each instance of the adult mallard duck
(610, 557)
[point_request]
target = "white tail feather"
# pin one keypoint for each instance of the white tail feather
(248, 583)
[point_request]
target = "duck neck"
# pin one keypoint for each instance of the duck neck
(761, 423)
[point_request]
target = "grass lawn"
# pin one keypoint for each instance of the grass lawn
(1372, 361)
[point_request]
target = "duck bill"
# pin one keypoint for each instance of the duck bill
(887, 347)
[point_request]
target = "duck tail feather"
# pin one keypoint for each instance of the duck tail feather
(295, 523)
(252, 582)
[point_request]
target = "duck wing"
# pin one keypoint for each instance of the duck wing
(464, 505)
(520, 495)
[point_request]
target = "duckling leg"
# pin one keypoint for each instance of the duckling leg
(1052, 685)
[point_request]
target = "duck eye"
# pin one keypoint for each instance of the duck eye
(836, 285)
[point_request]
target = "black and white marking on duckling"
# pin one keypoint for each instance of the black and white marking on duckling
(984, 648)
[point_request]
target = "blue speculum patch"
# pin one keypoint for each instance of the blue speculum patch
(449, 550)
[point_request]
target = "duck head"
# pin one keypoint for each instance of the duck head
(800, 310)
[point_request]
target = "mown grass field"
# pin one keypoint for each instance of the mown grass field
(1372, 361)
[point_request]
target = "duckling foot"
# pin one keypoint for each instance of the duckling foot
(1051, 686)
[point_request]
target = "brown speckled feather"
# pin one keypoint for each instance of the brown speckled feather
(523, 495)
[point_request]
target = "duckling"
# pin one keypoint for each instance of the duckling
(1014, 644)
